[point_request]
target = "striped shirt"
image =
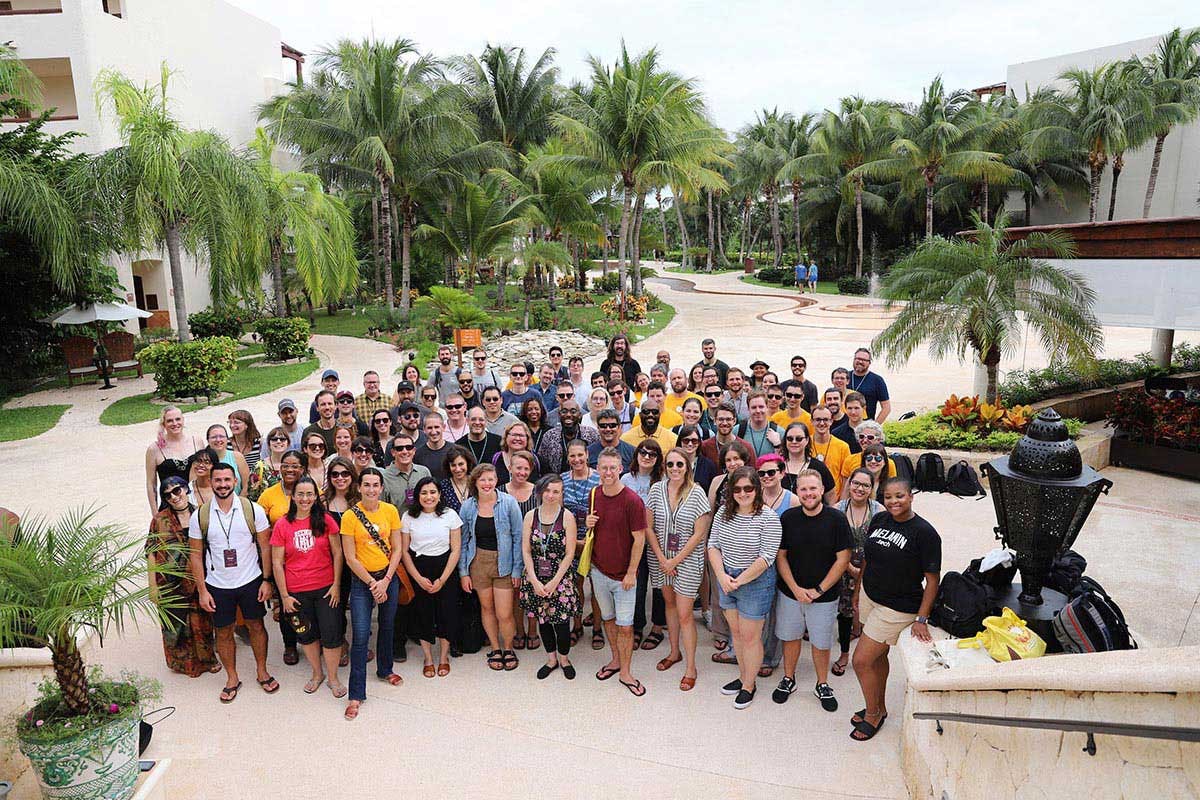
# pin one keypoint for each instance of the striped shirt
(745, 538)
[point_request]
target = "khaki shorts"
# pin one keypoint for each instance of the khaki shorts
(485, 571)
(881, 623)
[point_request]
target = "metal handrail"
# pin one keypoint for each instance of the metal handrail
(1074, 725)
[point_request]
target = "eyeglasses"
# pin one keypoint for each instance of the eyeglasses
(315, 446)
(676, 464)
(339, 473)
(360, 449)
(745, 489)
(608, 426)
(768, 473)
(455, 406)
(873, 458)
(821, 420)
(860, 485)
(403, 447)
(278, 439)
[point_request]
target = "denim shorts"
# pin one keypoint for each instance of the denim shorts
(752, 601)
(614, 600)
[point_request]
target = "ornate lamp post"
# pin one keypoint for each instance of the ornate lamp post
(1043, 493)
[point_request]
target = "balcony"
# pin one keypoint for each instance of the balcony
(13, 8)
(57, 90)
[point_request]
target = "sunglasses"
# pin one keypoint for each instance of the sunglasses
(175, 491)
(676, 464)
(315, 446)
(347, 401)
(608, 425)
(795, 396)
(517, 374)
(278, 439)
(340, 473)
(650, 413)
(429, 397)
(743, 490)
(768, 473)
(403, 447)
(867, 437)
(776, 396)
(360, 449)
(383, 421)
(799, 366)
(872, 458)
(797, 438)
(646, 454)
(455, 406)
(712, 394)
(691, 440)
(479, 358)
(410, 415)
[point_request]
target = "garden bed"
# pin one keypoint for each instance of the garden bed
(1095, 404)
(1127, 452)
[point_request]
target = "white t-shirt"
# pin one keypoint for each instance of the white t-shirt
(229, 531)
(429, 534)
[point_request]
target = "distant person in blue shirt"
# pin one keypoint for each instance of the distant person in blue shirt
(812, 276)
(801, 274)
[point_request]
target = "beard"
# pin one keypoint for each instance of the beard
(223, 492)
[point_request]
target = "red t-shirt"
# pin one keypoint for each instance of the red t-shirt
(619, 516)
(307, 559)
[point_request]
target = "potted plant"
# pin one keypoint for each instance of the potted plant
(64, 580)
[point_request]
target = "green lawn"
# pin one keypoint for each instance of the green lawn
(823, 287)
(25, 423)
(245, 382)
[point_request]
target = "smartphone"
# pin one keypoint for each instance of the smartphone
(146, 766)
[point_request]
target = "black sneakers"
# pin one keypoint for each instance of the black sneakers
(733, 687)
(744, 698)
(784, 690)
(823, 693)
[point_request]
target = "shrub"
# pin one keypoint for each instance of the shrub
(606, 283)
(217, 322)
(698, 254)
(929, 432)
(573, 298)
(284, 337)
(849, 284)
(652, 301)
(191, 369)
(152, 335)
(1166, 422)
(1030, 386)
(540, 316)
(635, 308)
(781, 275)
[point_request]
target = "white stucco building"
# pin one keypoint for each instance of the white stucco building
(1179, 171)
(225, 62)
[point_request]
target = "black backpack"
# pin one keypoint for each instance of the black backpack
(961, 605)
(963, 481)
(1066, 573)
(1091, 622)
(904, 467)
(930, 474)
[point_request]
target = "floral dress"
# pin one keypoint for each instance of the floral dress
(187, 632)
(547, 547)
(859, 532)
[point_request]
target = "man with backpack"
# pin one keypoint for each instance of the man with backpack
(445, 377)
(232, 570)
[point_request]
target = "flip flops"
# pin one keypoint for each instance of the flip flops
(337, 690)
(636, 689)
(839, 669)
(313, 684)
(230, 693)
(269, 685)
(605, 673)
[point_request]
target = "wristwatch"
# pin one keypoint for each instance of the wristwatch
(922, 620)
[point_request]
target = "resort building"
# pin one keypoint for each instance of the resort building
(225, 63)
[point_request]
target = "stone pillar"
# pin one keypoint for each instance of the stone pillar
(1161, 345)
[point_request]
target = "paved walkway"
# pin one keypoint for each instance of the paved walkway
(476, 732)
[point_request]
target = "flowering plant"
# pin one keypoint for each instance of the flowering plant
(1157, 420)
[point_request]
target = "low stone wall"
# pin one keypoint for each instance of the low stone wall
(1150, 687)
(1094, 404)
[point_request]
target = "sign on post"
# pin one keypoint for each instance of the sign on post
(466, 337)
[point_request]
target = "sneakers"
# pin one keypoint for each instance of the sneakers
(823, 693)
(733, 687)
(744, 698)
(784, 690)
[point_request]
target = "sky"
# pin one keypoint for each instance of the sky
(749, 55)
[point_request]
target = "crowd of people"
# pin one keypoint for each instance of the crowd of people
(542, 503)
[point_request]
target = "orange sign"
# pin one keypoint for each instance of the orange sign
(467, 337)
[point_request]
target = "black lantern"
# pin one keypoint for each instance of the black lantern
(1043, 493)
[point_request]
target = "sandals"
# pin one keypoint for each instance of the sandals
(667, 663)
(269, 685)
(653, 640)
(721, 657)
(393, 679)
(337, 690)
(860, 716)
(721, 644)
(588, 621)
(597, 639)
(519, 643)
(686, 683)
(636, 689)
(352, 710)
(371, 655)
(607, 672)
(230, 693)
(637, 640)
(511, 661)
(765, 671)
(576, 635)
(495, 660)
(313, 684)
(290, 656)
(443, 670)
(865, 731)
(429, 670)
(837, 667)
(344, 661)
(533, 643)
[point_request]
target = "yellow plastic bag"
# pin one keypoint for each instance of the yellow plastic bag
(585, 556)
(1007, 638)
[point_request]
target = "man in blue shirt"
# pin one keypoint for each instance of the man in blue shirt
(801, 274)
(812, 276)
(513, 399)
(870, 385)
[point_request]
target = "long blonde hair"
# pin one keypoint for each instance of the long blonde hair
(161, 438)
(688, 480)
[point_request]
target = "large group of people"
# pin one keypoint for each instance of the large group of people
(540, 503)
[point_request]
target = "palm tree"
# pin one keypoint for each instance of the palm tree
(933, 143)
(480, 221)
(305, 220)
(796, 139)
(975, 294)
(1172, 74)
(858, 133)
(547, 256)
(512, 101)
(630, 115)
(182, 188)
(761, 156)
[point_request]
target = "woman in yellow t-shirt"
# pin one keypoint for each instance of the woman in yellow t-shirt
(275, 499)
(371, 543)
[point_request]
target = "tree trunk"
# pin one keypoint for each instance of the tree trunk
(776, 231)
(277, 277)
(1028, 208)
(406, 258)
(1150, 184)
(1117, 165)
(635, 244)
(553, 290)
(684, 260)
(858, 220)
(721, 259)
(985, 200)
(604, 246)
(71, 677)
(711, 234)
(375, 243)
(796, 217)
(175, 257)
(1094, 189)
(385, 217)
(501, 280)
(312, 316)
(662, 219)
(928, 209)
(743, 239)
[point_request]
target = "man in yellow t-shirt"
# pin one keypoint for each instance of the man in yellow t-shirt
(793, 412)
(827, 447)
(679, 394)
(668, 419)
(647, 426)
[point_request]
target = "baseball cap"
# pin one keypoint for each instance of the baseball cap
(286, 403)
(405, 407)
(329, 373)
(405, 386)
(344, 393)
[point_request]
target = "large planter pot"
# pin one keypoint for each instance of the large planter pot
(1125, 452)
(99, 764)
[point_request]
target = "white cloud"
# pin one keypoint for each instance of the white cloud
(796, 56)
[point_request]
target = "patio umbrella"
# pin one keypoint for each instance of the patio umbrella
(94, 314)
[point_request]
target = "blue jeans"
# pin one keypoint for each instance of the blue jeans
(361, 603)
(754, 600)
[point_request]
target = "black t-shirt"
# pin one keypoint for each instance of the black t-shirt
(898, 554)
(810, 392)
(433, 460)
(629, 367)
(817, 465)
(485, 533)
(812, 545)
(484, 450)
(843, 431)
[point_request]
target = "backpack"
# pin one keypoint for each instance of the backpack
(1091, 622)
(204, 513)
(1066, 573)
(963, 481)
(904, 467)
(961, 605)
(930, 474)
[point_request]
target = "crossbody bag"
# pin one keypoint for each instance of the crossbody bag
(407, 593)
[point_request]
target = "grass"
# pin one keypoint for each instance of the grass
(823, 287)
(25, 423)
(248, 382)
